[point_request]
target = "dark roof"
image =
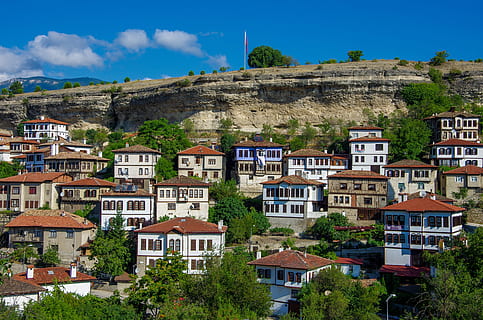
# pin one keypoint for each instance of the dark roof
(183, 225)
(358, 174)
(404, 271)
(292, 259)
(293, 180)
(423, 205)
(182, 181)
(13, 287)
(307, 153)
(76, 156)
(201, 150)
(457, 142)
(452, 114)
(349, 261)
(89, 182)
(50, 219)
(469, 170)
(136, 149)
(408, 163)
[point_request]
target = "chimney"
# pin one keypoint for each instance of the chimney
(220, 225)
(258, 254)
(42, 118)
(84, 141)
(99, 154)
(280, 249)
(30, 272)
(127, 144)
(73, 270)
(433, 196)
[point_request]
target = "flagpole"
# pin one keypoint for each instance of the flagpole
(245, 49)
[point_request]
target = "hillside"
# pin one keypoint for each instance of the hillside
(45, 83)
(250, 98)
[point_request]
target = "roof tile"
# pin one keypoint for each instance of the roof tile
(292, 259)
(423, 205)
(50, 219)
(201, 150)
(45, 276)
(183, 225)
(136, 149)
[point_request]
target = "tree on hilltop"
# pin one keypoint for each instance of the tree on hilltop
(355, 55)
(265, 57)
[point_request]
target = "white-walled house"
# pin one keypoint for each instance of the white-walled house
(286, 272)
(457, 153)
(417, 225)
(350, 266)
(17, 293)
(182, 197)
(192, 238)
(45, 129)
(202, 162)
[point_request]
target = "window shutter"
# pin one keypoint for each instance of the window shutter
(193, 245)
(150, 244)
(143, 244)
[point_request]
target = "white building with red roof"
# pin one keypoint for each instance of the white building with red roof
(293, 202)
(368, 149)
(417, 225)
(457, 153)
(454, 125)
(202, 162)
(45, 129)
(286, 272)
(350, 266)
(463, 184)
(192, 238)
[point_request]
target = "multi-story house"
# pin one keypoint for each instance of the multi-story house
(79, 194)
(418, 225)
(410, 176)
(368, 149)
(313, 164)
(136, 164)
(463, 184)
(358, 195)
(57, 229)
(45, 129)
(135, 205)
(31, 191)
(293, 202)
(454, 125)
(182, 197)
(79, 165)
(457, 153)
(18, 146)
(255, 162)
(202, 162)
(193, 239)
(286, 272)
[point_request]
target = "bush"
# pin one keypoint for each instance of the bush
(283, 231)
(184, 83)
(403, 62)
(77, 85)
(127, 79)
(67, 85)
(113, 89)
(191, 73)
(439, 58)
(419, 66)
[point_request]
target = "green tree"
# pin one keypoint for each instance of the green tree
(323, 227)
(425, 99)
(265, 57)
(9, 169)
(164, 169)
(227, 140)
(355, 55)
(225, 189)
(409, 138)
(25, 253)
(308, 133)
(50, 257)
(77, 134)
(292, 126)
(76, 85)
(5, 91)
(287, 61)
(241, 229)
(227, 209)
(16, 87)
(67, 85)
(191, 73)
(439, 58)
(37, 89)
(127, 79)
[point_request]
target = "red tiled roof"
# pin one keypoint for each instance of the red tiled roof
(50, 219)
(89, 182)
(349, 261)
(251, 143)
(45, 120)
(469, 170)
(452, 114)
(372, 139)
(408, 163)
(136, 149)
(201, 150)
(63, 142)
(293, 180)
(22, 140)
(307, 153)
(183, 225)
(404, 271)
(457, 142)
(182, 181)
(45, 276)
(365, 128)
(34, 177)
(358, 174)
(12, 287)
(292, 259)
(423, 205)
(137, 193)
(75, 155)
(429, 195)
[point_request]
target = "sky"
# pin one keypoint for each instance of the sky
(112, 40)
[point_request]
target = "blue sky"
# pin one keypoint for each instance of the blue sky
(111, 40)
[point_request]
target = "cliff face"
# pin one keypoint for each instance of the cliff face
(252, 98)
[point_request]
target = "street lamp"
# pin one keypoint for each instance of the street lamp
(392, 295)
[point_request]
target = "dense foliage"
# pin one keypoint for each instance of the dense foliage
(265, 57)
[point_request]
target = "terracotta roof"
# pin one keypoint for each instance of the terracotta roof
(408, 163)
(251, 143)
(76, 156)
(423, 205)
(358, 174)
(50, 219)
(22, 156)
(307, 153)
(201, 150)
(64, 142)
(182, 181)
(45, 120)
(22, 140)
(137, 193)
(469, 170)
(34, 177)
(45, 276)
(136, 149)
(372, 139)
(12, 287)
(123, 278)
(349, 261)
(365, 128)
(429, 195)
(457, 142)
(293, 180)
(183, 225)
(404, 271)
(451, 114)
(292, 259)
(89, 182)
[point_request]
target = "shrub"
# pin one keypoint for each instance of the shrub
(67, 85)
(246, 74)
(394, 68)
(215, 71)
(478, 60)
(403, 62)
(202, 72)
(283, 231)
(184, 83)
(419, 66)
(191, 73)
(77, 85)
(127, 79)
(113, 89)
(439, 58)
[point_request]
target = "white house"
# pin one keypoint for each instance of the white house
(368, 149)
(417, 225)
(202, 162)
(17, 293)
(350, 266)
(457, 153)
(192, 238)
(182, 197)
(286, 272)
(45, 129)
(135, 205)
(293, 201)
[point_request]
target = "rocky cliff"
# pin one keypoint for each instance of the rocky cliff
(250, 98)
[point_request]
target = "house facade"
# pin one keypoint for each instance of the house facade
(45, 129)
(368, 149)
(293, 202)
(285, 273)
(79, 165)
(454, 125)
(463, 184)
(57, 229)
(202, 162)
(256, 161)
(410, 176)
(182, 197)
(192, 238)
(417, 225)
(358, 195)
(31, 191)
(313, 164)
(457, 153)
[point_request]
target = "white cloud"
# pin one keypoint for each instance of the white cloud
(178, 41)
(218, 61)
(133, 39)
(64, 50)
(17, 64)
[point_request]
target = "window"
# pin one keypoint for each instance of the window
(195, 206)
(343, 186)
(32, 190)
(177, 246)
(371, 187)
(209, 245)
(161, 193)
(474, 179)
(53, 234)
(15, 190)
(130, 205)
(146, 171)
(367, 200)
(119, 205)
(126, 158)
(171, 206)
(193, 245)
(459, 179)
(420, 185)
(211, 162)
(431, 221)
(140, 171)
(291, 277)
(184, 161)
(171, 245)
(415, 221)
(201, 245)
(143, 244)
(357, 186)
(298, 277)
(158, 245)
(280, 275)
(141, 158)
(69, 234)
(379, 147)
